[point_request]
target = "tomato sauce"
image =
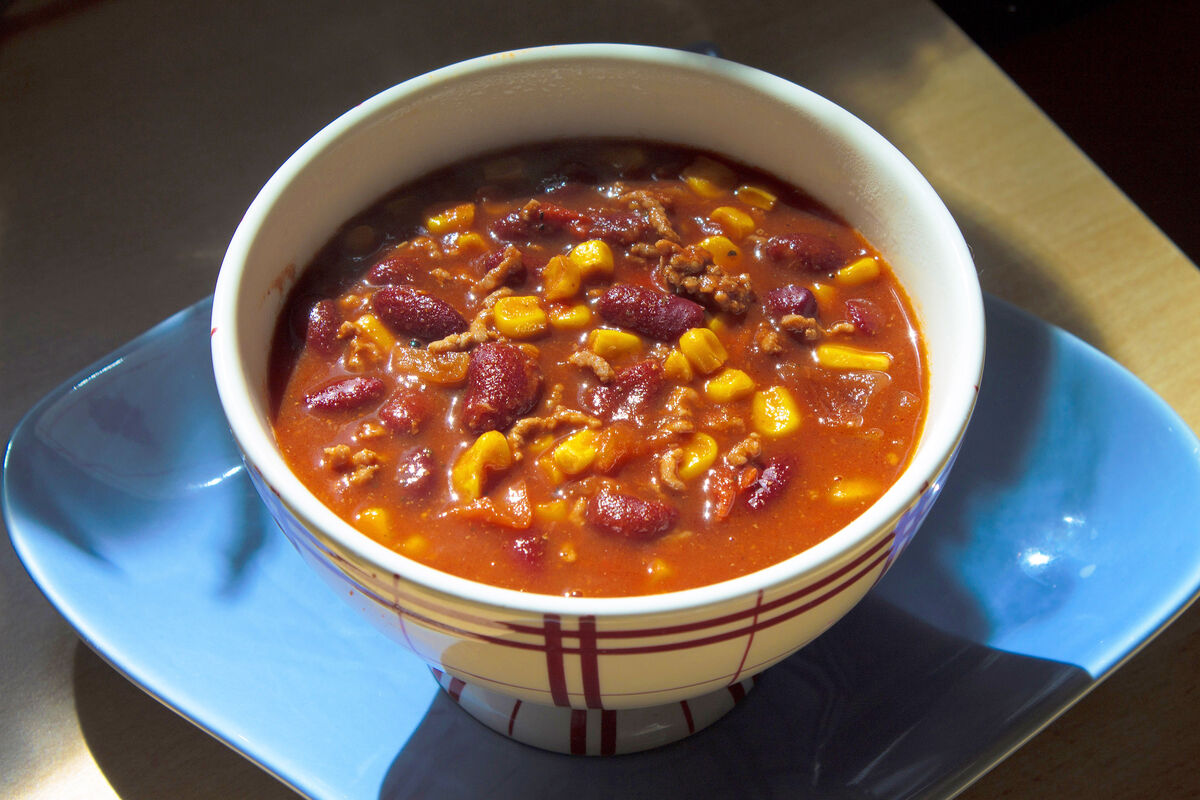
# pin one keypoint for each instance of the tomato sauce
(598, 368)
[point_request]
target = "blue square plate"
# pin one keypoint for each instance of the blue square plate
(1066, 537)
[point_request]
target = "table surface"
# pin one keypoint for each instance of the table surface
(132, 139)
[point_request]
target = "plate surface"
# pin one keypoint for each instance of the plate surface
(1065, 538)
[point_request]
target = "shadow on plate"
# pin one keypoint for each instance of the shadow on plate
(167, 746)
(912, 712)
(135, 440)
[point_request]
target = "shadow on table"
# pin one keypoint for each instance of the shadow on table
(143, 748)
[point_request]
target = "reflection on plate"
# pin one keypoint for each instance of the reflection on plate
(1065, 538)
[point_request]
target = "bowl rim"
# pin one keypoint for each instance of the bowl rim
(938, 442)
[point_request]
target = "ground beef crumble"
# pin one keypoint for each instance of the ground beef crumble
(596, 363)
(653, 206)
(810, 330)
(511, 265)
(480, 330)
(691, 271)
(744, 451)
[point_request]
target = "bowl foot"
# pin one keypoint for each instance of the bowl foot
(593, 732)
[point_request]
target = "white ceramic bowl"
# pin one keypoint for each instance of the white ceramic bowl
(496, 649)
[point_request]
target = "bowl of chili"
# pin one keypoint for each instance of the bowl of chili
(601, 377)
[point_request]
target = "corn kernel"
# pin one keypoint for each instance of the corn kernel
(609, 343)
(349, 303)
(698, 455)
(729, 385)
(576, 453)
(374, 522)
(560, 278)
(373, 329)
(593, 257)
(454, 219)
(723, 251)
(554, 475)
(659, 569)
(703, 349)
(567, 553)
(733, 221)
(850, 490)
(774, 413)
(857, 272)
(520, 317)
(553, 511)
(826, 295)
(755, 196)
(414, 545)
(542, 443)
(678, 368)
(490, 452)
(893, 459)
(840, 356)
(469, 243)
(708, 178)
(570, 317)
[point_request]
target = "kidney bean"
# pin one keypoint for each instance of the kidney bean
(346, 394)
(553, 217)
(774, 477)
(865, 315)
(503, 383)
(528, 550)
(806, 251)
(415, 469)
(482, 265)
(620, 227)
(546, 218)
(791, 299)
(406, 409)
(619, 514)
(323, 323)
(487, 262)
(415, 313)
(512, 228)
(629, 393)
(395, 270)
(648, 311)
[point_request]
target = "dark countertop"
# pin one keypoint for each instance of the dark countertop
(1121, 78)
